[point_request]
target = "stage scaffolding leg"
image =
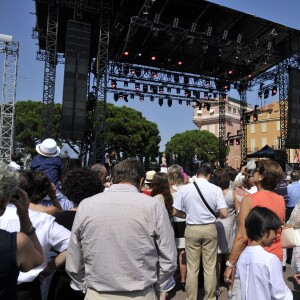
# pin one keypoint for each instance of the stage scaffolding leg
(283, 105)
(243, 109)
(7, 118)
(101, 87)
(50, 70)
(222, 134)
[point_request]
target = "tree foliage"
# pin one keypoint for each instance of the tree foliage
(127, 130)
(191, 142)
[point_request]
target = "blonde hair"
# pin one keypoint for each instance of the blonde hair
(175, 175)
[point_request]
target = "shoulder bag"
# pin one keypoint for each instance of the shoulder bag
(203, 199)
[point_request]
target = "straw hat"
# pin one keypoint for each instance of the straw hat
(48, 148)
(149, 176)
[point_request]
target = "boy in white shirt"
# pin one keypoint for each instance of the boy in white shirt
(260, 272)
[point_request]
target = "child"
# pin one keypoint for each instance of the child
(260, 272)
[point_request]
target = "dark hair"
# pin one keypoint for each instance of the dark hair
(259, 221)
(42, 184)
(204, 170)
(82, 183)
(221, 178)
(128, 170)
(27, 183)
(232, 173)
(295, 176)
(271, 173)
(160, 185)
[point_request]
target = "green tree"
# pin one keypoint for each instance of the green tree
(191, 142)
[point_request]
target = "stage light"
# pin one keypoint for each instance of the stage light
(126, 69)
(215, 95)
(169, 90)
(261, 86)
(207, 82)
(161, 89)
(132, 71)
(137, 86)
(119, 68)
(259, 95)
(187, 93)
(186, 79)
(169, 102)
(224, 96)
(145, 88)
(206, 95)
(125, 83)
(179, 63)
(230, 72)
(274, 90)
(146, 71)
(237, 141)
(154, 89)
(154, 74)
(113, 84)
(266, 93)
(249, 75)
(207, 105)
(197, 94)
(188, 103)
(142, 98)
(178, 91)
(126, 98)
(140, 54)
(151, 98)
(138, 72)
(116, 97)
(126, 53)
(247, 118)
(180, 102)
(231, 142)
(255, 117)
(160, 101)
(153, 57)
(226, 143)
(132, 96)
(121, 96)
(176, 78)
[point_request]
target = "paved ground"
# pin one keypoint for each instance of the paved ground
(177, 294)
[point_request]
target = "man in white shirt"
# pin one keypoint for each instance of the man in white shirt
(122, 243)
(201, 232)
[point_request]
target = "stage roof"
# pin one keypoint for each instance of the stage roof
(209, 39)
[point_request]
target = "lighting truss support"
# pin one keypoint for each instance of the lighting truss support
(222, 148)
(50, 70)
(101, 86)
(243, 109)
(7, 119)
(283, 105)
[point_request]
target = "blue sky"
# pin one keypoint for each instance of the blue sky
(16, 19)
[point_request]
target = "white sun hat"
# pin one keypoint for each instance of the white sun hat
(48, 148)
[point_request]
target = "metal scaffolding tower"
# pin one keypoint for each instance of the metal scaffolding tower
(50, 70)
(7, 119)
(222, 148)
(243, 108)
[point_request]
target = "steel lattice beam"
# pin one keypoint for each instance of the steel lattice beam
(50, 71)
(222, 148)
(283, 105)
(243, 109)
(7, 119)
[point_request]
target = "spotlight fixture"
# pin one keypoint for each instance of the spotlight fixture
(180, 101)
(179, 63)
(230, 72)
(137, 86)
(226, 143)
(142, 98)
(215, 95)
(132, 71)
(255, 117)
(161, 89)
(169, 90)
(154, 74)
(259, 95)
(266, 93)
(126, 69)
(126, 53)
(178, 91)
(176, 78)
(274, 90)
(247, 118)
(160, 101)
(113, 84)
(125, 83)
(207, 82)
(231, 142)
(207, 105)
(197, 94)
(121, 96)
(206, 95)
(146, 71)
(116, 97)
(169, 102)
(154, 89)
(132, 96)
(138, 72)
(186, 79)
(151, 98)
(187, 93)
(145, 88)
(153, 57)
(188, 103)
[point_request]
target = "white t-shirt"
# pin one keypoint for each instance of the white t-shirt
(188, 200)
(260, 274)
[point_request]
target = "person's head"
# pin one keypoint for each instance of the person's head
(160, 185)
(262, 224)
(48, 148)
(220, 178)
(9, 182)
(204, 171)
(232, 173)
(81, 183)
(42, 184)
(129, 171)
(268, 174)
(295, 176)
(175, 175)
(27, 183)
(101, 171)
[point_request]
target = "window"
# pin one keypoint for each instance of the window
(229, 109)
(252, 145)
(278, 125)
(252, 128)
(263, 127)
(264, 141)
(234, 110)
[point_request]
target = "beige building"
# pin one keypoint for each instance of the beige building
(209, 120)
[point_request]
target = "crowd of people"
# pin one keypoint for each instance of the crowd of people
(71, 233)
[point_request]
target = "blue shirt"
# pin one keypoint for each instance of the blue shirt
(293, 194)
(52, 166)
